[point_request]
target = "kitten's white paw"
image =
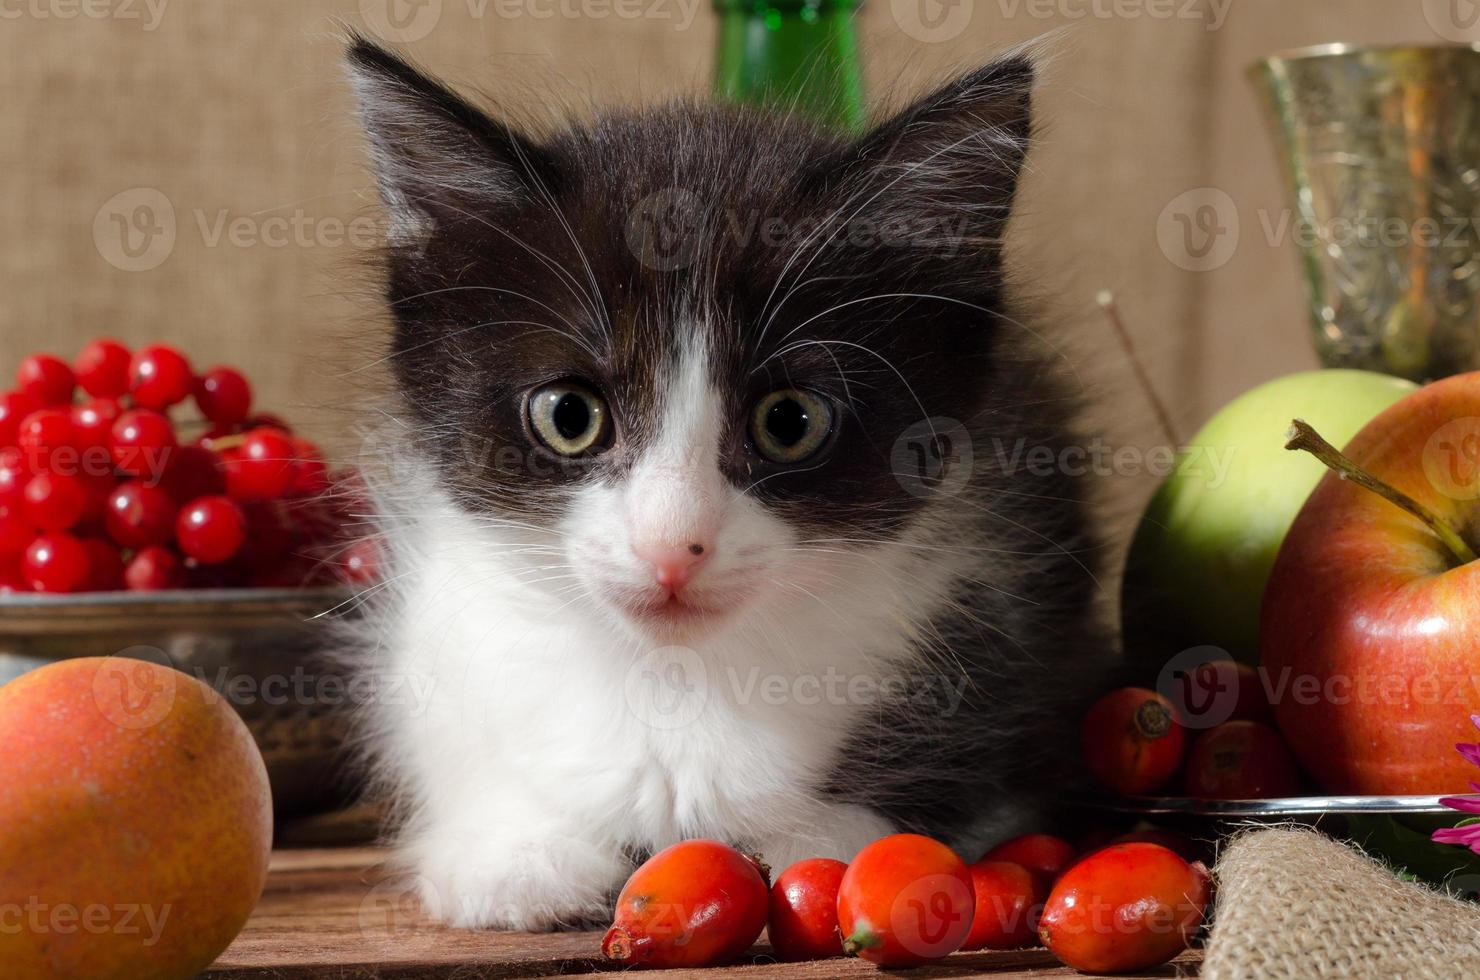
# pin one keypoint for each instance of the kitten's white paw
(838, 832)
(525, 884)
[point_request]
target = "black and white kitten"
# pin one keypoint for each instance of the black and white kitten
(704, 534)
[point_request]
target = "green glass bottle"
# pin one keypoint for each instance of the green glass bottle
(792, 54)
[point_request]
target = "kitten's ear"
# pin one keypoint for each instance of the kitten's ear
(437, 158)
(958, 150)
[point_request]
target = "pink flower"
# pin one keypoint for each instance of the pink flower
(1469, 835)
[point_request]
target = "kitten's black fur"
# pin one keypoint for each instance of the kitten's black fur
(897, 331)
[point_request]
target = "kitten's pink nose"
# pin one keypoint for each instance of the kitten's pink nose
(672, 566)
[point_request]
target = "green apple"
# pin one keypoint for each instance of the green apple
(1206, 544)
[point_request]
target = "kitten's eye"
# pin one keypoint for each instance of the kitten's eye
(569, 418)
(788, 425)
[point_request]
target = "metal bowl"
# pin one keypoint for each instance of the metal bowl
(268, 652)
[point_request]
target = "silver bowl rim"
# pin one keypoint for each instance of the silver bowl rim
(311, 602)
(1288, 806)
(173, 597)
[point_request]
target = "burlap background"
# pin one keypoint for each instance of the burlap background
(236, 111)
(1293, 905)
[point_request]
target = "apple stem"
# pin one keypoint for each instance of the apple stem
(1302, 436)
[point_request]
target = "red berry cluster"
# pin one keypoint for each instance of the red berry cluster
(101, 490)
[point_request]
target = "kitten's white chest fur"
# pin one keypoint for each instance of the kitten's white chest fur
(557, 738)
(551, 742)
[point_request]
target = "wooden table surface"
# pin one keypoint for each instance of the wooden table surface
(334, 913)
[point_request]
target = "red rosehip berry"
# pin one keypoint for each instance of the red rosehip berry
(1218, 691)
(697, 903)
(1005, 896)
(159, 377)
(154, 569)
(46, 379)
(803, 923)
(55, 562)
(139, 515)
(223, 396)
(103, 368)
(1124, 909)
(143, 442)
(905, 900)
(1043, 854)
(1241, 760)
(211, 530)
(1132, 742)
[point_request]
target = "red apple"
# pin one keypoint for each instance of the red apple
(1371, 616)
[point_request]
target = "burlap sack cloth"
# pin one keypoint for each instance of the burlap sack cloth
(1292, 903)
